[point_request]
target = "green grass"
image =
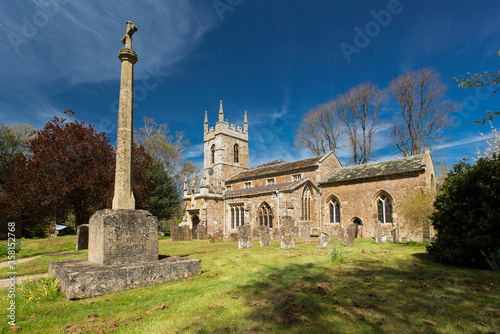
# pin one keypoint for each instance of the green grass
(32, 247)
(380, 288)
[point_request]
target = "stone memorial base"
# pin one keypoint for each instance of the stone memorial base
(123, 254)
(83, 279)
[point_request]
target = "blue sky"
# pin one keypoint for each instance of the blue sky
(275, 59)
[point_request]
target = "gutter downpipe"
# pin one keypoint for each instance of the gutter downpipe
(320, 226)
(278, 198)
(224, 198)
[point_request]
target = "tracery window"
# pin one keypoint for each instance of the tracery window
(236, 153)
(213, 153)
(384, 209)
(237, 215)
(265, 215)
(334, 209)
(306, 204)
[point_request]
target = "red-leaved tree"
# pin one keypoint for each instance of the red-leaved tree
(69, 169)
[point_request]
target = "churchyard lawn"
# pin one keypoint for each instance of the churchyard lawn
(380, 288)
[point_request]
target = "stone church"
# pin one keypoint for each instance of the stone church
(316, 190)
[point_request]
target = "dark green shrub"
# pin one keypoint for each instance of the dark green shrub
(467, 216)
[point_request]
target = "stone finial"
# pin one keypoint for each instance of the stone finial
(245, 123)
(221, 112)
(127, 39)
(205, 124)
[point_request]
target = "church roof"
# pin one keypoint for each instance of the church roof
(275, 169)
(267, 188)
(408, 164)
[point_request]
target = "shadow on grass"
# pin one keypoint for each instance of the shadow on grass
(368, 296)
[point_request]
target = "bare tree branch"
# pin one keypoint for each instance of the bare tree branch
(319, 130)
(424, 110)
(358, 109)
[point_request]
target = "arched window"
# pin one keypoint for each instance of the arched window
(213, 153)
(384, 209)
(236, 153)
(265, 215)
(334, 209)
(306, 204)
(237, 215)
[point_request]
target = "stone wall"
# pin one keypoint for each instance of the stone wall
(358, 200)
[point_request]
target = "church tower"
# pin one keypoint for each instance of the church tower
(225, 148)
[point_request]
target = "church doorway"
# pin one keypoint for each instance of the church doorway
(358, 224)
(195, 220)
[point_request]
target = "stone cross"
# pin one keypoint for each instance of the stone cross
(124, 196)
(127, 39)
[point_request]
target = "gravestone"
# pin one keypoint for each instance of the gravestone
(194, 232)
(296, 231)
(378, 232)
(175, 233)
(324, 238)
(351, 235)
(218, 236)
(306, 235)
(82, 237)
(340, 234)
(255, 233)
(233, 237)
(265, 236)
(275, 234)
(245, 236)
(201, 231)
(396, 234)
(331, 231)
(185, 233)
(287, 233)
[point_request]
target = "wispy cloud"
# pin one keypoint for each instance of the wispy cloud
(50, 47)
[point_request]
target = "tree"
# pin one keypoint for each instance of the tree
(467, 211)
(488, 80)
(13, 140)
(493, 144)
(416, 208)
(319, 130)
(167, 149)
(69, 169)
(164, 201)
(358, 110)
(270, 163)
(424, 110)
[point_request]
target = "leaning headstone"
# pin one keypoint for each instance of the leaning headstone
(256, 232)
(201, 231)
(245, 236)
(378, 232)
(175, 233)
(233, 237)
(396, 234)
(351, 234)
(82, 237)
(265, 236)
(275, 235)
(306, 235)
(340, 234)
(323, 240)
(287, 233)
